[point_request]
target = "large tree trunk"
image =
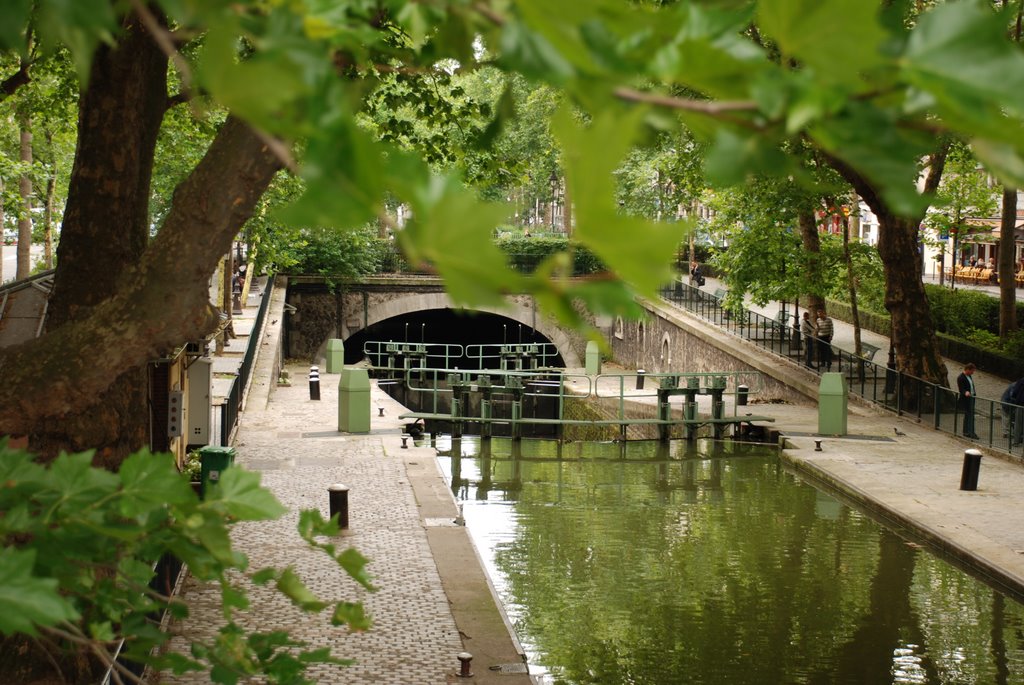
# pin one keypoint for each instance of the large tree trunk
(118, 304)
(1007, 286)
(25, 192)
(105, 230)
(912, 338)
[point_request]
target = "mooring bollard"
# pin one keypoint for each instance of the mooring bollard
(464, 661)
(314, 383)
(741, 395)
(337, 498)
(405, 445)
(640, 379)
(972, 467)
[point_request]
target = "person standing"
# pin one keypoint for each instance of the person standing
(824, 329)
(1012, 408)
(696, 275)
(965, 386)
(807, 331)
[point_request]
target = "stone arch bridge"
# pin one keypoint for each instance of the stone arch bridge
(378, 306)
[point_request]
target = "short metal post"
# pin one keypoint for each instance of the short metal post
(640, 379)
(971, 469)
(465, 658)
(741, 395)
(380, 411)
(314, 383)
(405, 445)
(337, 496)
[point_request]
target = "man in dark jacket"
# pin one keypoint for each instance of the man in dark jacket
(1013, 411)
(965, 385)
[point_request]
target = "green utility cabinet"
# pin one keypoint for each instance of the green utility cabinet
(832, 398)
(213, 460)
(335, 355)
(593, 359)
(354, 401)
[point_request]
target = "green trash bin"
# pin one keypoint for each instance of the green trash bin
(593, 358)
(354, 401)
(832, 398)
(213, 459)
(335, 355)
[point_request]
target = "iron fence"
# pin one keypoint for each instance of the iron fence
(233, 402)
(997, 425)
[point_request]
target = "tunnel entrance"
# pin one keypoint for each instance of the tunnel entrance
(449, 327)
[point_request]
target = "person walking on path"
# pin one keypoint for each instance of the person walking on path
(1012, 409)
(824, 330)
(965, 386)
(807, 331)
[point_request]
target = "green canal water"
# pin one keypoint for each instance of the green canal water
(642, 565)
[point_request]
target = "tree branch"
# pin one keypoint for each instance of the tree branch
(160, 304)
(15, 81)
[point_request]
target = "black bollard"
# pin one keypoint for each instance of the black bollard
(741, 395)
(640, 379)
(972, 467)
(465, 659)
(337, 496)
(314, 383)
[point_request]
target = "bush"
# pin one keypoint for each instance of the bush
(525, 254)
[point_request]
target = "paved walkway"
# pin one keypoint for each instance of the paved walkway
(434, 600)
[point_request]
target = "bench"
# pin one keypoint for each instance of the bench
(867, 353)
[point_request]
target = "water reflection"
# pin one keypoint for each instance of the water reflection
(640, 563)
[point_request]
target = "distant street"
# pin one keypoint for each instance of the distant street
(10, 261)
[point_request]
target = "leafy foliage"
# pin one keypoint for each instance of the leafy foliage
(82, 542)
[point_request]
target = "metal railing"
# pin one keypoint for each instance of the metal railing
(233, 402)
(899, 392)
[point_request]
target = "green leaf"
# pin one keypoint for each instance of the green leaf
(1004, 161)
(737, 155)
(25, 600)
(351, 614)
(240, 494)
(13, 19)
(292, 587)
(77, 482)
(452, 231)
(960, 53)
(151, 481)
(839, 39)
(633, 248)
(81, 25)
(354, 564)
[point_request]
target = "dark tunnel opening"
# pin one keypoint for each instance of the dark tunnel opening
(455, 328)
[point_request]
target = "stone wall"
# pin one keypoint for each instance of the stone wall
(670, 340)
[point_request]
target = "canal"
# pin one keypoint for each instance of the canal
(644, 563)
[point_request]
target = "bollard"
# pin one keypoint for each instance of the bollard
(337, 497)
(640, 379)
(404, 445)
(464, 660)
(314, 383)
(741, 395)
(972, 466)
(817, 445)
(381, 411)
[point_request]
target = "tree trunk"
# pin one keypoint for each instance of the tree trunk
(1007, 286)
(25, 193)
(812, 247)
(912, 337)
(851, 284)
(51, 192)
(117, 304)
